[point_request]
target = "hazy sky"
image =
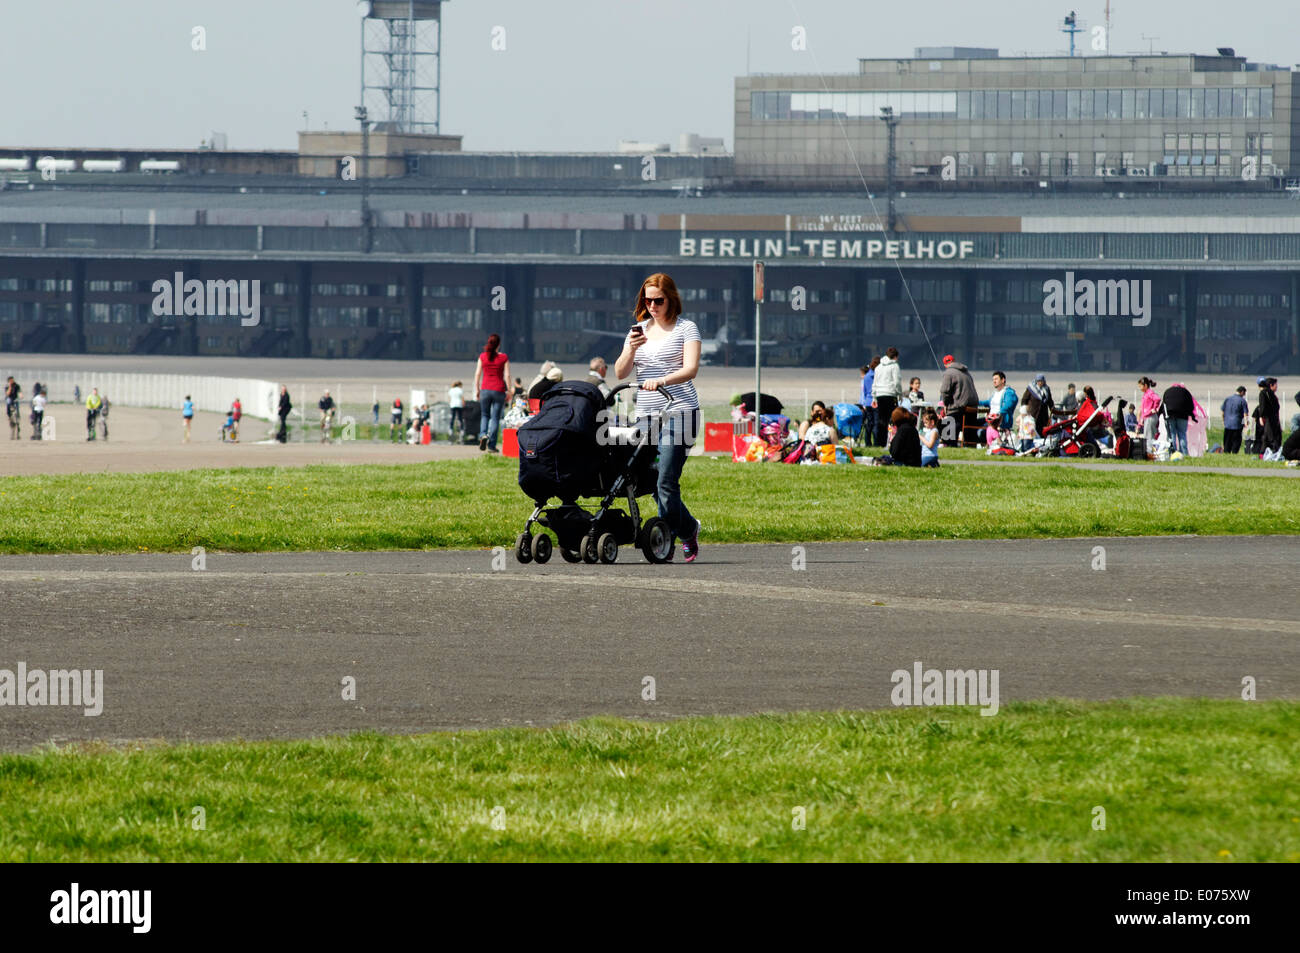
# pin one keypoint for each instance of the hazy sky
(576, 75)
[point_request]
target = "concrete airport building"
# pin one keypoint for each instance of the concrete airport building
(999, 117)
(549, 250)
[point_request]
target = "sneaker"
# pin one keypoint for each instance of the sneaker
(1293, 463)
(691, 547)
(482, 444)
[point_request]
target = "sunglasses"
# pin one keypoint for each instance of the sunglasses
(655, 300)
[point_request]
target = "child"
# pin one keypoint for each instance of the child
(930, 439)
(228, 429)
(1028, 431)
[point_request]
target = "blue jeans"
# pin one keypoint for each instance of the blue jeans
(1178, 435)
(492, 404)
(677, 433)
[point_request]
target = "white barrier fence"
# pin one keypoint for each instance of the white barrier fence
(257, 397)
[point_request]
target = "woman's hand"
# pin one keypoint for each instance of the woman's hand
(655, 384)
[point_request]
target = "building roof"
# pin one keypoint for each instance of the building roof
(133, 206)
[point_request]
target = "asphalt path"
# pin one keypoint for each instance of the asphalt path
(259, 646)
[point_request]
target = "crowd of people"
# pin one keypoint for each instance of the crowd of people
(97, 408)
(1018, 420)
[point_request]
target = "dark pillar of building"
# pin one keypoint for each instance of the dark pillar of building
(77, 343)
(302, 313)
(742, 298)
(1293, 359)
(189, 327)
(519, 283)
(1187, 295)
(969, 294)
(858, 343)
(414, 311)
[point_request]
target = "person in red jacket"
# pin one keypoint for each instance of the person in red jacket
(1088, 407)
(490, 377)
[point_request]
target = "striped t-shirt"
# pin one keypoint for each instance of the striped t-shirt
(656, 359)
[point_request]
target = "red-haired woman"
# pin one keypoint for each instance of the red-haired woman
(664, 349)
(490, 377)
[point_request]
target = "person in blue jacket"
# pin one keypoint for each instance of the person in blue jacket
(1235, 411)
(1002, 403)
(868, 410)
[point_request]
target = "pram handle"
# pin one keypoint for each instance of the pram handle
(637, 385)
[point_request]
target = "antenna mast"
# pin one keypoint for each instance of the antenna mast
(1071, 27)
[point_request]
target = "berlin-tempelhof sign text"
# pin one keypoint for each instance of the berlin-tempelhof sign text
(822, 248)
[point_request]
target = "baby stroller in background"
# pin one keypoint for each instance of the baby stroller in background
(1123, 442)
(1070, 437)
(569, 449)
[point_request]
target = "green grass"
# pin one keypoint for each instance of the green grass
(1179, 780)
(477, 503)
(1224, 460)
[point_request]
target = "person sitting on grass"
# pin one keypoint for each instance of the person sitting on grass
(1291, 449)
(930, 439)
(819, 428)
(905, 447)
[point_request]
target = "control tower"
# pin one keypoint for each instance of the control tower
(401, 64)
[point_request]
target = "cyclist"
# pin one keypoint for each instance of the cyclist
(395, 424)
(93, 404)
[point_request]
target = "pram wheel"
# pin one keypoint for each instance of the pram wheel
(590, 554)
(607, 547)
(1088, 449)
(657, 543)
(524, 548)
(570, 556)
(541, 548)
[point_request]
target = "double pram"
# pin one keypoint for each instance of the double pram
(572, 448)
(1072, 436)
